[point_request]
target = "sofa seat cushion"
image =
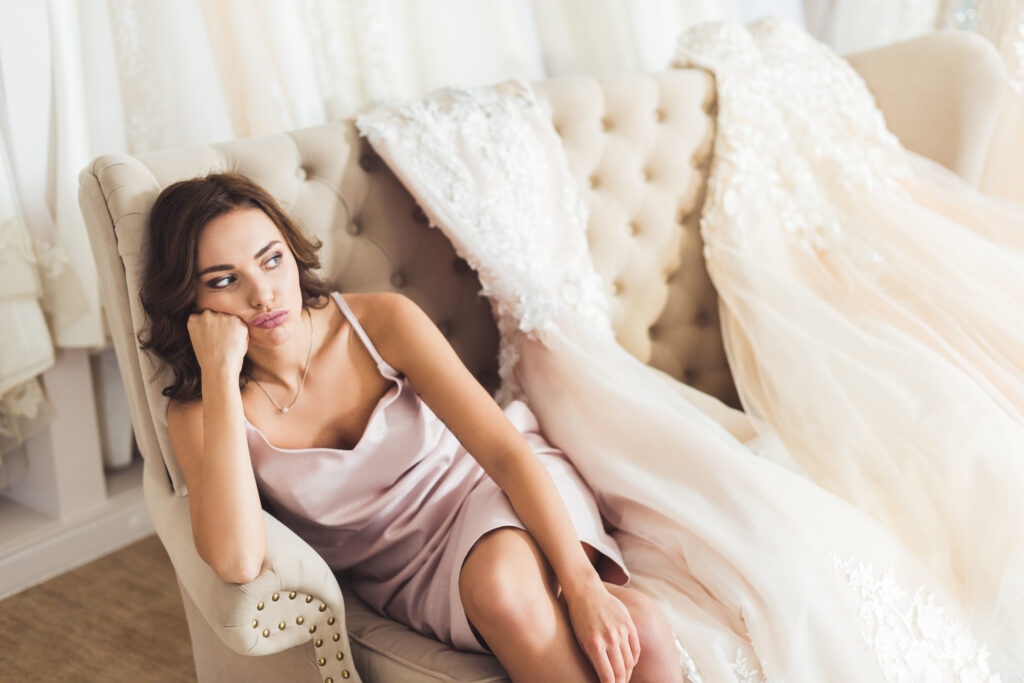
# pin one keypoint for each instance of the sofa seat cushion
(388, 652)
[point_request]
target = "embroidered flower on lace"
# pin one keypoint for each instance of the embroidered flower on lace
(827, 147)
(14, 240)
(690, 670)
(510, 238)
(912, 637)
(745, 671)
(50, 257)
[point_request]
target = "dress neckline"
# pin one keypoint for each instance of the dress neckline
(385, 369)
(383, 402)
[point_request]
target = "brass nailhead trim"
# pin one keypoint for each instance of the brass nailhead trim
(341, 656)
(280, 626)
(312, 629)
(330, 620)
(344, 673)
(255, 623)
(319, 642)
(259, 605)
(309, 598)
(336, 636)
(266, 633)
(299, 620)
(321, 661)
(328, 680)
(291, 596)
(275, 596)
(322, 607)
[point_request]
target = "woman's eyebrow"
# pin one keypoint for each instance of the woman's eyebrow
(225, 266)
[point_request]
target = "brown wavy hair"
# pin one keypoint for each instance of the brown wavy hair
(171, 281)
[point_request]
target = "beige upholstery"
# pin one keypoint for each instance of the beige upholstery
(640, 143)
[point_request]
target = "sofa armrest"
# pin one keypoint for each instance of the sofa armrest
(940, 93)
(295, 599)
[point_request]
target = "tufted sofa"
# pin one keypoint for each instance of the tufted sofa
(640, 144)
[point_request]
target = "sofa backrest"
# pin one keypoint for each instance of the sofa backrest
(638, 144)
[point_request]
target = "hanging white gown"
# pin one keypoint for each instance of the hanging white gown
(880, 284)
(764, 575)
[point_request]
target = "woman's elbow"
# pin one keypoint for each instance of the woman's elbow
(237, 568)
(242, 571)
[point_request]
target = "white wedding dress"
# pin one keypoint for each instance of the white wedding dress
(763, 574)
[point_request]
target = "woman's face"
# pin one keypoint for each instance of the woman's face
(247, 270)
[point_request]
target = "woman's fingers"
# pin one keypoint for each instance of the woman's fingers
(628, 660)
(634, 642)
(614, 654)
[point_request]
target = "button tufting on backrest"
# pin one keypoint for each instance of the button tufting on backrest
(300, 173)
(646, 181)
(418, 215)
(354, 228)
(702, 319)
(398, 279)
(367, 161)
(445, 327)
(460, 265)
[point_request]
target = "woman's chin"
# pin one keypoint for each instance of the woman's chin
(268, 338)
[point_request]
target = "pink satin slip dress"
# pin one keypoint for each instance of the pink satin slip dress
(400, 511)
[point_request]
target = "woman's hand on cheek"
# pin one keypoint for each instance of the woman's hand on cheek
(219, 340)
(605, 631)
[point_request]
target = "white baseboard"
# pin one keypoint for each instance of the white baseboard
(45, 548)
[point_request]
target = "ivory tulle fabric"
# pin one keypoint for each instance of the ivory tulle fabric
(880, 284)
(766, 574)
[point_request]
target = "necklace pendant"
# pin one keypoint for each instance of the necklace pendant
(285, 409)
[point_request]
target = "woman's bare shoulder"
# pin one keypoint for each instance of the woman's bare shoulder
(379, 311)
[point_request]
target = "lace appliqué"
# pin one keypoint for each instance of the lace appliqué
(488, 168)
(798, 140)
(745, 671)
(911, 635)
(688, 665)
(24, 412)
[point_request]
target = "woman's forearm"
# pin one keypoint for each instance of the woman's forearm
(536, 500)
(231, 536)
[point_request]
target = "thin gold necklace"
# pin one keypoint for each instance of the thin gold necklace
(309, 354)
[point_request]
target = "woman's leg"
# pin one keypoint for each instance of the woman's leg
(510, 595)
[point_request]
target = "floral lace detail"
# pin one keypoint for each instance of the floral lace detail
(24, 412)
(828, 143)
(487, 162)
(745, 671)
(145, 120)
(51, 258)
(912, 637)
(690, 670)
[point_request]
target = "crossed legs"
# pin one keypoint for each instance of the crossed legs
(510, 594)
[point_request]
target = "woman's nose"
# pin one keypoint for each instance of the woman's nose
(262, 297)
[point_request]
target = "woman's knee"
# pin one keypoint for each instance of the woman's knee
(652, 627)
(506, 582)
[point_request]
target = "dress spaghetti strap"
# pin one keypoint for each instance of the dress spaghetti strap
(347, 312)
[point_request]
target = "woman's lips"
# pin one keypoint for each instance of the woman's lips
(269, 320)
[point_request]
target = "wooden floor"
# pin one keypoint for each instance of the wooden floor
(116, 619)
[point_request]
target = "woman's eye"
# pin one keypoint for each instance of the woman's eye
(221, 283)
(274, 260)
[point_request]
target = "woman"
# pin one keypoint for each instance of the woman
(339, 409)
